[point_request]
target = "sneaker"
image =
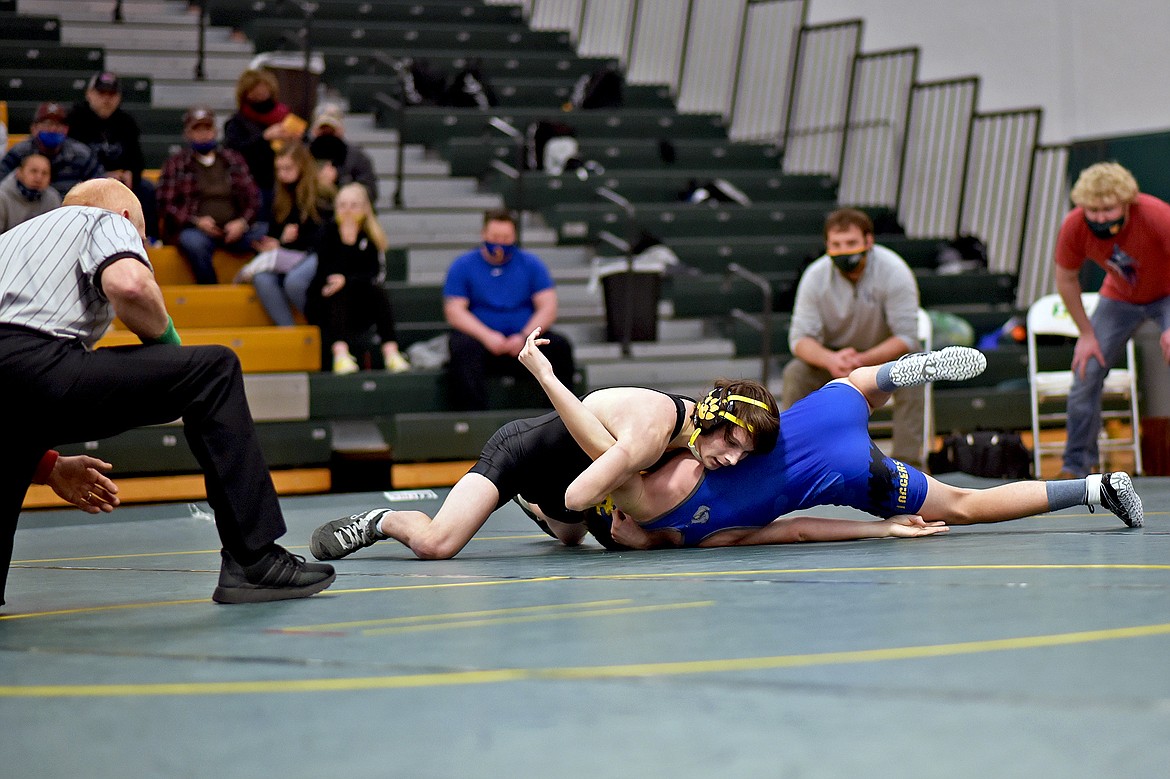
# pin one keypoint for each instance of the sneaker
(344, 364)
(342, 537)
(954, 363)
(279, 575)
(1119, 496)
(396, 363)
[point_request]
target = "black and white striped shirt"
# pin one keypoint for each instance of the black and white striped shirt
(48, 267)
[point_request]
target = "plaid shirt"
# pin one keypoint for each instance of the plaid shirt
(178, 193)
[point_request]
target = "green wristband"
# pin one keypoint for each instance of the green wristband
(169, 336)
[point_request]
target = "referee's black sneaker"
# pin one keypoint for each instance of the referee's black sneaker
(278, 575)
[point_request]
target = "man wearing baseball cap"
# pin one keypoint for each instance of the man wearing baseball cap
(70, 161)
(100, 122)
(207, 197)
(339, 161)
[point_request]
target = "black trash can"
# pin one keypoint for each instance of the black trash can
(636, 292)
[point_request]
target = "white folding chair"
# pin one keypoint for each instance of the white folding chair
(926, 336)
(1049, 316)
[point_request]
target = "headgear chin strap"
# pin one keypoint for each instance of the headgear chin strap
(714, 407)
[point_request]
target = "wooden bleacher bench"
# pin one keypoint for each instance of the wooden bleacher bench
(164, 489)
(171, 268)
(214, 305)
(260, 349)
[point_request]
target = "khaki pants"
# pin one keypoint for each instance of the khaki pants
(802, 379)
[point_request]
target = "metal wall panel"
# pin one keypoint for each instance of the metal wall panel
(711, 55)
(995, 193)
(932, 168)
(606, 28)
(557, 15)
(820, 101)
(1048, 201)
(657, 49)
(767, 59)
(876, 128)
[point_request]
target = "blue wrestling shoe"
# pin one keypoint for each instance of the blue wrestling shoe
(953, 363)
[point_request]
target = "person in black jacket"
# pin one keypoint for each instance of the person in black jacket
(257, 127)
(347, 295)
(100, 122)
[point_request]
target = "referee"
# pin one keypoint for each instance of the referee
(64, 276)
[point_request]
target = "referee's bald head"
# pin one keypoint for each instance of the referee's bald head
(110, 194)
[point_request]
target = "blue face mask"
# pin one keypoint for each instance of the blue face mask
(500, 252)
(50, 140)
(204, 147)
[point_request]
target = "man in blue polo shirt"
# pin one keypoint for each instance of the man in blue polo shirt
(493, 297)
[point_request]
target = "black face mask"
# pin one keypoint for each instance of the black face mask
(1106, 230)
(262, 106)
(28, 193)
(848, 263)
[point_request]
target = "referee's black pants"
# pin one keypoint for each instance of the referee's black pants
(56, 392)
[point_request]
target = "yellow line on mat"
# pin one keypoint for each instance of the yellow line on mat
(579, 673)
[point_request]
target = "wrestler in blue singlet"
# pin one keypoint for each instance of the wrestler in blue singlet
(824, 456)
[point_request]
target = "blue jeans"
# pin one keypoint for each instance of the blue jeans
(198, 248)
(280, 293)
(1114, 322)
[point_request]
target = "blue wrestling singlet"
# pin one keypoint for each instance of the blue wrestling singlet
(824, 456)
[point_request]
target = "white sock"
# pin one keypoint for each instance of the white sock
(1093, 489)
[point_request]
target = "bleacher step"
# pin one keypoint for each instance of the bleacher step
(655, 374)
(600, 354)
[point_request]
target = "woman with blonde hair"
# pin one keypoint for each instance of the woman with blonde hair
(349, 296)
(287, 260)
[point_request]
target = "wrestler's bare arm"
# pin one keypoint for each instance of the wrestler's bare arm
(794, 530)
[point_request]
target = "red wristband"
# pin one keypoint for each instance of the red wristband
(45, 467)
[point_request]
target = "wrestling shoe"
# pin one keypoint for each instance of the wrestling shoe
(1119, 496)
(278, 575)
(953, 363)
(526, 507)
(341, 537)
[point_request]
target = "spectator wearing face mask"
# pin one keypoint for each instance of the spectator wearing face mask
(258, 125)
(207, 198)
(25, 192)
(494, 296)
(70, 161)
(100, 122)
(339, 162)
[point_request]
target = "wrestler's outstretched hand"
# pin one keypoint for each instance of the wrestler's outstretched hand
(533, 359)
(912, 526)
(627, 532)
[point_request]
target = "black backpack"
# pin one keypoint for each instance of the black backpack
(470, 88)
(995, 454)
(600, 89)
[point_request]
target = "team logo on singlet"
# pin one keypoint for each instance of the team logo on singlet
(1123, 265)
(701, 515)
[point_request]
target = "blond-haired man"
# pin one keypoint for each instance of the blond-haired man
(1127, 233)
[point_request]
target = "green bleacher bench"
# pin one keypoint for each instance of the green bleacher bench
(472, 155)
(46, 55)
(759, 253)
(344, 61)
(704, 295)
(163, 449)
(433, 125)
(231, 13)
(371, 394)
(268, 34)
(983, 288)
(156, 148)
(23, 27)
(541, 189)
(578, 222)
(416, 302)
(448, 435)
(26, 84)
(986, 407)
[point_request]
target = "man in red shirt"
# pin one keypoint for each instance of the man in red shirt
(1128, 234)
